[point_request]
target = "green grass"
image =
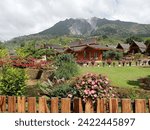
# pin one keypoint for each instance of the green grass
(120, 76)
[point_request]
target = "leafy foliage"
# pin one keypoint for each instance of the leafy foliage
(130, 39)
(3, 53)
(138, 56)
(147, 42)
(12, 81)
(116, 55)
(66, 66)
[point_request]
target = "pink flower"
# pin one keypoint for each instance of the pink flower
(83, 83)
(95, 95)
(100, 80)
(93, 91)
(94, 86)
(100, 87)
(93, 82)
(106, 82)
(86, 91)
(89, 81)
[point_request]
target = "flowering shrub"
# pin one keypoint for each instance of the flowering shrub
(28, 62)
(93, 86)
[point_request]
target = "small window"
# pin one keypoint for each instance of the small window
(85, 54)
(95, 55)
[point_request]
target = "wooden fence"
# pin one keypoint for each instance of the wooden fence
(66, 105)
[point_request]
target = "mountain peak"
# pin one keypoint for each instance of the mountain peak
(96, 26)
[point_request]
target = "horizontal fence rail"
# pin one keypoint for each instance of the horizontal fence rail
(12, 104)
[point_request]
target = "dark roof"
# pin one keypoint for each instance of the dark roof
(124, 46)
(141, 45)
(78, 43)
(89, 41)
(83, 43)
(99, 47)
(54, 46)
(111, 46)
(78, 48)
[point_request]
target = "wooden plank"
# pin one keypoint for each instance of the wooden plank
(126, 106)
(43, 108)
(2, 103)
(31, 104)
(101, 105)
(77, 105)
(54, 105)
(65, 105)
(113, 105)
(89, 106)
(21, 104)
(11, 104)
(140, 106)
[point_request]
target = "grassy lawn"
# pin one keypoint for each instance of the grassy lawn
(120, 76)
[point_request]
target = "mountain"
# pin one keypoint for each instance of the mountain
(95, 27)
(63, 32)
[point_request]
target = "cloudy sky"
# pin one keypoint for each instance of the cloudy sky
(23, 17)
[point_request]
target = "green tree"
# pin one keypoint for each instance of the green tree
(12, 81)
(66, 66)
(130, 39)
(147, 42)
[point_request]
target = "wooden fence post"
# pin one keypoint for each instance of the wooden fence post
(113, 105)
(11, 104)
(126, 106)
(31, 104)
(101, 105)
(65, 105)
(140, 106)
(2, 103)
(54, 105)
(43, 108)
(21, 104)
(89, 106)
(77, 105)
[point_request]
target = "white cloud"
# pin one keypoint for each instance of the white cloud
(22, 17)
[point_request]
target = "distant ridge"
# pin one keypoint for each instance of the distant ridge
(96, 26)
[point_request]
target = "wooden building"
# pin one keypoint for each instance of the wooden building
(87, 50)
(137, 47)
(148, 49)
(56, 47)
(123, 47)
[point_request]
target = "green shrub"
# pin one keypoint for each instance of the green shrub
(115, 55)
(3, 53)
(59, 90)
(66, 66)
(12, 81)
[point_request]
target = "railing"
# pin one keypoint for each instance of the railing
(66, 105)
